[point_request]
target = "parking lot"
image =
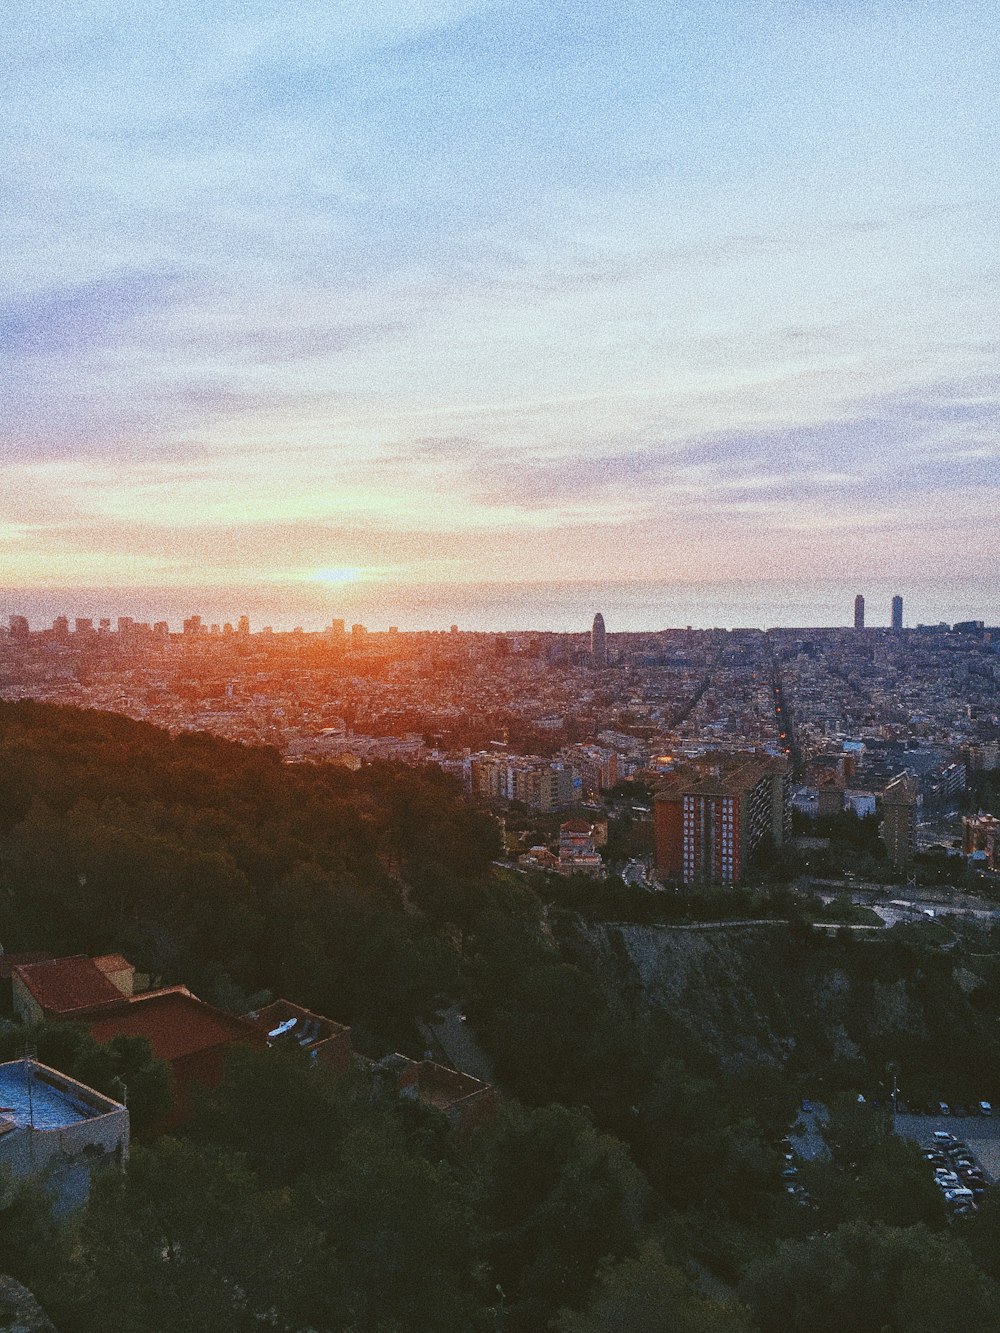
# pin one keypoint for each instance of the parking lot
(981, 1133)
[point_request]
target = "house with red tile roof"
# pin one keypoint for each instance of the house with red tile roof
(191, 1036)
(63, 988)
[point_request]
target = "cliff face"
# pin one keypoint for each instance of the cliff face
(721, 983)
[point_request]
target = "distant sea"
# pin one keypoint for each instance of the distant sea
(563, 607)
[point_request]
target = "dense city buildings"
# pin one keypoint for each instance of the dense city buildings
(525, 723)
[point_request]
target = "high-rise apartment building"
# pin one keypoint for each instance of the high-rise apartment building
(19, 627)
(708, 821)
(598, 644)
(899, 820)
(859, 612)
(897, 613)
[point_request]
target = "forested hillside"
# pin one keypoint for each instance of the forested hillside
(633, 1177)
(214, 864)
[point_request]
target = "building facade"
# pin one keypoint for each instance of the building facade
(708, 824)
(899, 820)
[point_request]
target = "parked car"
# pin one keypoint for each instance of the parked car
(961, 1193)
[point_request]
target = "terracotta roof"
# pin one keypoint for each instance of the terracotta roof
(67, 985)
(8, 961)
(112, 962)
(174, 1022)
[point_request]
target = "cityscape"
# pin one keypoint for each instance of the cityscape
(835, 719)
(500, 667)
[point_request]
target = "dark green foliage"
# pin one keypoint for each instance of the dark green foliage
(650, 1295)
(869, 1278)
(31, 1242)
(188, 1239)
(872, 1174)
(556, 1199)
(371, 1172)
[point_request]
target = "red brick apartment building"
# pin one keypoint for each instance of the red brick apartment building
(709, 817)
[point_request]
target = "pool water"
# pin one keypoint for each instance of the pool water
(46, 1107)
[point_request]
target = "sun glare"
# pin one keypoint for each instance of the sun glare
(346, 574)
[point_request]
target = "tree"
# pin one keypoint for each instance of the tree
(122, 1068)
(400, 1236)
(31, 1243)
(649, 1295)
(556, 1198)
(869, 1277)
(188, 1239)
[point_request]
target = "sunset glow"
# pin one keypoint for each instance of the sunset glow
(459, 292)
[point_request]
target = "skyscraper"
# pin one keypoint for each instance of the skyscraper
(897, 613)
(859, 612)
(598, 646)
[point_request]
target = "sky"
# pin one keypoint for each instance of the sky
(329, 296)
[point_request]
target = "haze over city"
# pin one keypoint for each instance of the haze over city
(500, 312)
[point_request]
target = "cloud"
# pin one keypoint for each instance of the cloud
(72, 318)
(944, 436)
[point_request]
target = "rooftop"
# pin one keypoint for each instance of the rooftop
(174, 1022)
(67, 985)
(32, 1094)
(282, 1018)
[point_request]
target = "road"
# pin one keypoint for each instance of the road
(894, 903)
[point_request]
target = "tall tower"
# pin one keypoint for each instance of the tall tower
(598, 646)
(859, 612)
(899, 819)
(897, 613)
